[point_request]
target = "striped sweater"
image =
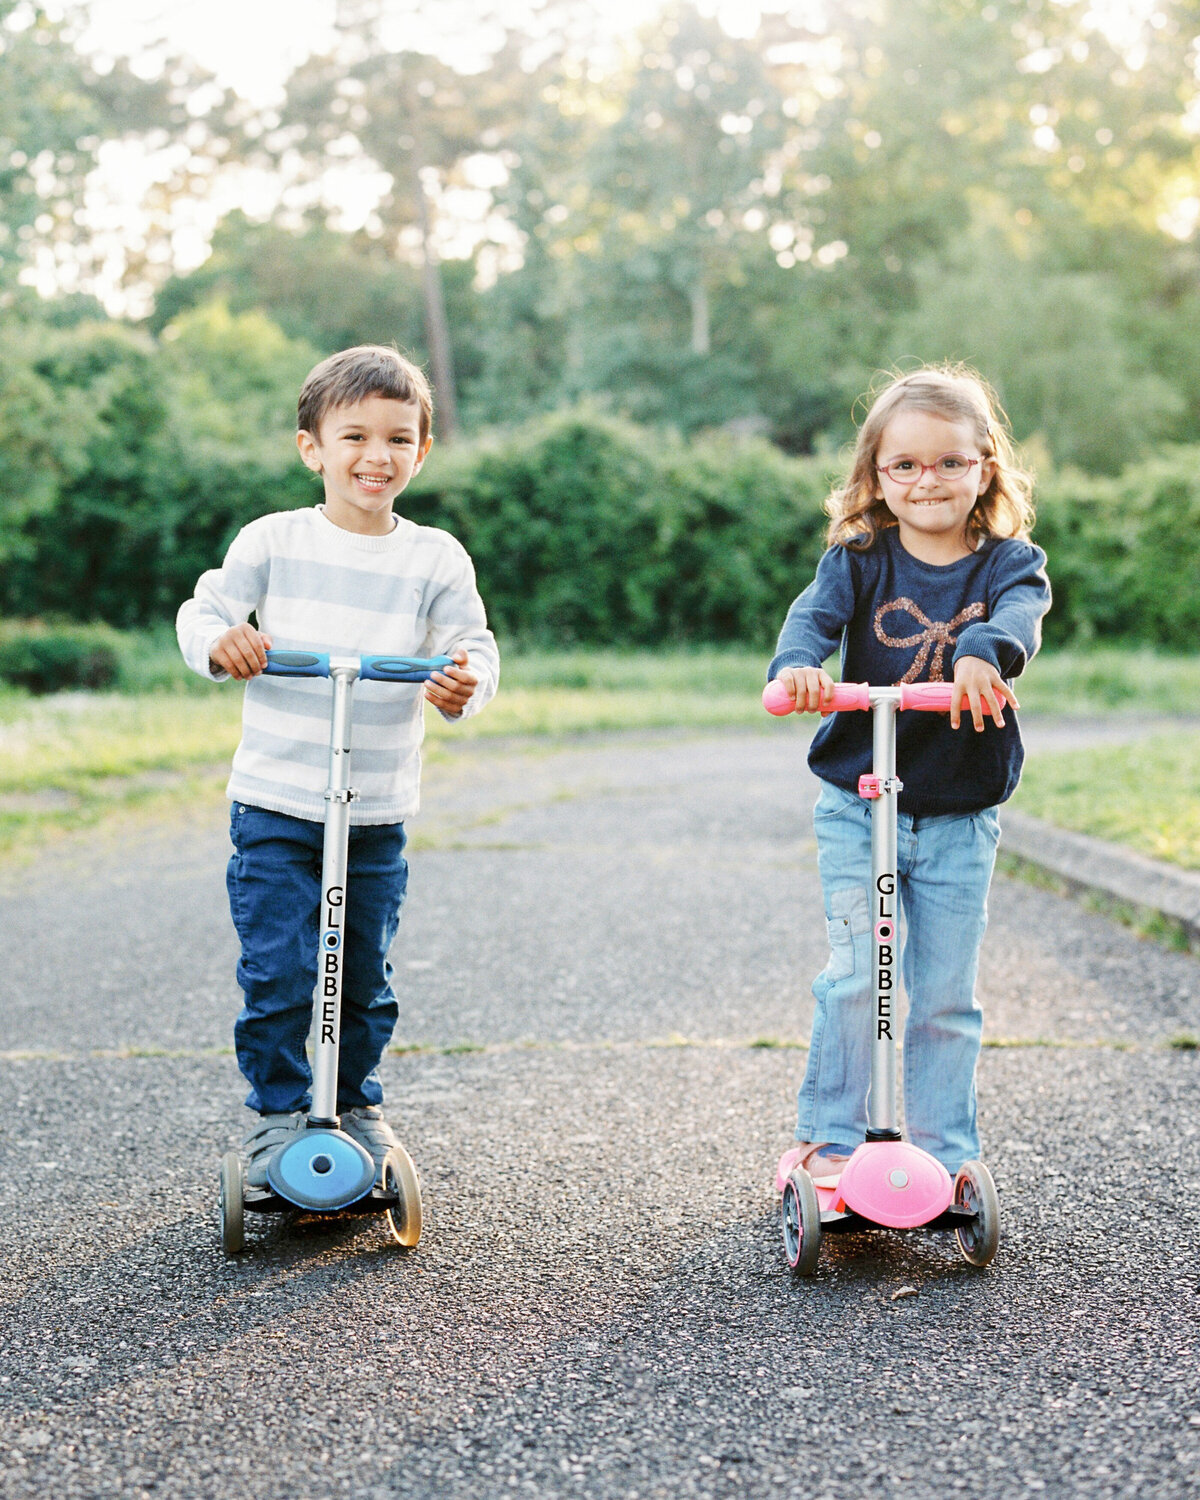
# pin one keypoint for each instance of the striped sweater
(314, 586)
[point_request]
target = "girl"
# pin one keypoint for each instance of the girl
(930, 575)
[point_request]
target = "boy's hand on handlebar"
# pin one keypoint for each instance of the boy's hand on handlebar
(982, 683)
(451, 690)
(811, 687)
(241, 651)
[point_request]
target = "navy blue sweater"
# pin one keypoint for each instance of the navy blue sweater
(898, 619)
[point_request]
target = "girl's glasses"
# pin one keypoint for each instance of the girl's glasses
(910, 471)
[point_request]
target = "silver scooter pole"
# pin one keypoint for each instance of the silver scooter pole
(331, 945)
(883, 788)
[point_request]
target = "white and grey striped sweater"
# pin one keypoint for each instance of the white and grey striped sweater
(314, 586)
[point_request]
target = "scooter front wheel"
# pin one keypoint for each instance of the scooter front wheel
(801, 1214)
(975, 1191)
(400, 1177)
(233, 1214)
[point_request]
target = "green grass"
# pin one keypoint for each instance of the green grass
(75, 759)
(1093, 682)
(1081, 683)
(72, 760)
(1145, 795)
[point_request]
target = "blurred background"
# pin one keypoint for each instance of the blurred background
(650, 256)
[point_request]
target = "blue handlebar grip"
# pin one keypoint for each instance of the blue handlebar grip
(403, 668)
(297, 663)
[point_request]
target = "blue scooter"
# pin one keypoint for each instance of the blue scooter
(324, 1170)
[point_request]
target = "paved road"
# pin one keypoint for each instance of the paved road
(599, 1305)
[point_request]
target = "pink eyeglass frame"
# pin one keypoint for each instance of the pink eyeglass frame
(925, 468)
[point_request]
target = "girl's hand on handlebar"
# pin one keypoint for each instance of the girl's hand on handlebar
(812, 688)
(981, 682)
(241, 651)
(451, 690)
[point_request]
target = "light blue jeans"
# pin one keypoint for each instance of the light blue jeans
(944, 868)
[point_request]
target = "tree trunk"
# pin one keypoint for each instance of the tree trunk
(701, 333)
(437, 329)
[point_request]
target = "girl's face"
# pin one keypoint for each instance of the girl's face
(931, 507)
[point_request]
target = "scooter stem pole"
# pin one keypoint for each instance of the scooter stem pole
(327, 999)
(881, 1102)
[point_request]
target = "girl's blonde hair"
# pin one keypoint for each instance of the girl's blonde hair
(959, 394)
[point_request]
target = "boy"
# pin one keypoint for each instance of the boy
(347, 576)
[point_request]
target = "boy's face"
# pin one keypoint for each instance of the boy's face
(366, 453)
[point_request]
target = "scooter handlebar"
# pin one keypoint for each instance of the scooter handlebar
(297, 664)
(846, 695)
(375, 667)
(935, 697)
(403, 668)
(931, 697)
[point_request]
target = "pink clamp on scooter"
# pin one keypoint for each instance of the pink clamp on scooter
(887, 1181)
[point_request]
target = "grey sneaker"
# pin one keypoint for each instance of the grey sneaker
(271, 1132)
(369, 1127)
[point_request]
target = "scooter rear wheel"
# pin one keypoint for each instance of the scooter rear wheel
(400, 1177)
(801, 1216)
(974, 1190)
(233, 1214)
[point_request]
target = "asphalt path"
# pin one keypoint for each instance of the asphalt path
(604, 969)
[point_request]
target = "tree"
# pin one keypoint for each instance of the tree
(57, 107)
(328, 288)
(651, 190)
(417, 118)
(1054, 345)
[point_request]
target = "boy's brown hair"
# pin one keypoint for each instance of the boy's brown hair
(353, 375)
(960, 394)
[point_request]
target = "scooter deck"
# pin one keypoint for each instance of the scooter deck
(836, 1217)
(264, 1201)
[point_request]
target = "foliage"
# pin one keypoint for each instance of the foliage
(688, 229)
(129, 464)
(133, 463)
(584, 528)
(1124, 553)
(324, 288)
(46, 658)
(1080, 387)
(57, 108)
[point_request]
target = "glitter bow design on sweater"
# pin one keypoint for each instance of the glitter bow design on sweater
(935, 635)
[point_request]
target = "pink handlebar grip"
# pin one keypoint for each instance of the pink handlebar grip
(777, 700)
(846, 695)
(934, 697)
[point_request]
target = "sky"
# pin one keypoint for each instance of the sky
(252, 45)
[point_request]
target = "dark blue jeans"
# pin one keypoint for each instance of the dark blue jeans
(274, 881)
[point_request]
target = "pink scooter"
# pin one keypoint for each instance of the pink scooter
(887, 1181)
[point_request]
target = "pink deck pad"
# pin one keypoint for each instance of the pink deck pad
(896, 1184)
(788, 1163)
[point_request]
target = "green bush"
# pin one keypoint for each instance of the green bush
(50, 658)
(588, 529)
(585, 529)
(1124, 553)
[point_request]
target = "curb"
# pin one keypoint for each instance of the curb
(1093, 865)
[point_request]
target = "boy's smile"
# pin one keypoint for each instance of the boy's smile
(931, 512)
(366, 453)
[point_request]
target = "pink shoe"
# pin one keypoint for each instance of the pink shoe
(820, 1160)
